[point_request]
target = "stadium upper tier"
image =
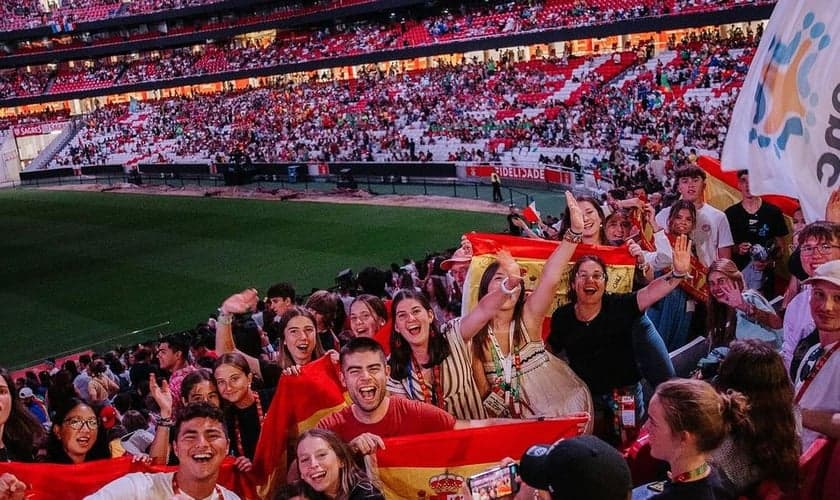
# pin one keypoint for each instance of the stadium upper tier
(323, 44)
(27, 14)
(476, 111)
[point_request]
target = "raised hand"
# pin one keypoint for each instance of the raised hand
(162, 395)
(575, 213)
(682, 254)
(731, 296)
(509, 266)
(241, 302)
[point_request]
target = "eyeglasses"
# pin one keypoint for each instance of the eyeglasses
(823, 249)
(594, 276)
(78, 423)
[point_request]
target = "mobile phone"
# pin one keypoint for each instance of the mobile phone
(498, 482)
(658, 486)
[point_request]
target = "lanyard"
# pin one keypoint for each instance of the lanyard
(813, 373)
(436, 397)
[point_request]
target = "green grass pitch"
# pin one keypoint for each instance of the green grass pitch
(81, 268)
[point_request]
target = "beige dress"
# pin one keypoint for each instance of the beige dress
(547, 386)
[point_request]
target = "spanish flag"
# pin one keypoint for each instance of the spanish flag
(74, 482)
(436, 466)
(300, 402)
(531, 255)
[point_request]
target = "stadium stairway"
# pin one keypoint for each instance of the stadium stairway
(44, 158)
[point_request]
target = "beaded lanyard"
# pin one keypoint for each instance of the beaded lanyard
(436, 397)
(238, 429)
(507, 372)
(177, 491)
(691, 475)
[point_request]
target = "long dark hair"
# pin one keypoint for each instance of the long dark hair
(286, 360)
(401, 351)
(55, 448)
(484, 334)
(350, 475)
(756, 370)
(22, 432)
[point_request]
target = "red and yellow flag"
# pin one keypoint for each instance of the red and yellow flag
(299, 403)
(531, 255)
(73, 482)
(436, 466)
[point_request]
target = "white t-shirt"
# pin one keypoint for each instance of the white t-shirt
(711, 232)
(142, 486)
(798, 323)
(824, 391)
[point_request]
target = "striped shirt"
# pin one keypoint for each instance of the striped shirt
(459, 390)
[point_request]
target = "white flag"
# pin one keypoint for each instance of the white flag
(785, 127)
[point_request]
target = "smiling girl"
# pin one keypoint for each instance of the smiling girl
(328, 470)
(76, 436)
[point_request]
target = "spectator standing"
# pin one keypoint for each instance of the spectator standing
(711, 236)
(755, 222)
(173, 354)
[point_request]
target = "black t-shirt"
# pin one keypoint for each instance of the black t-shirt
(249, 425)
(708, 488)
(270, 374)
(761, 227)
(600, 351)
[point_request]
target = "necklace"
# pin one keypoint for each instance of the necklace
(176, 490)
(238, 429)
(692, 475)
(508, 371)
(436, 397)
(579, 315)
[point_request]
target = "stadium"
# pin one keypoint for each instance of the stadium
(183, 180)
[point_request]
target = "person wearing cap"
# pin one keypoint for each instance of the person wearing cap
(201, 444)
(35, 406)
(583, 467)
(819, 242)
(817, 375)
(457, 266)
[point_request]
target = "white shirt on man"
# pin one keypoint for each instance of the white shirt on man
(141, 486)
(823, 393)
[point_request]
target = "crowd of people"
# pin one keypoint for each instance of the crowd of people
(387, 114)
(413, 361)
(353, 38)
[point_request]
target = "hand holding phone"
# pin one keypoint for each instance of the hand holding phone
(497, 483)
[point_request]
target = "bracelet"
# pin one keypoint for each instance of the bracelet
(165, 422)
(575, 233)
(225, 318)
(572, 237)
(678, 276)
(505, 289)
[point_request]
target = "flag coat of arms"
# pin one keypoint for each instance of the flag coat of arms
(785, 127)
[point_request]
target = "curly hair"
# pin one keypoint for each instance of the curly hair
(755, 369)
